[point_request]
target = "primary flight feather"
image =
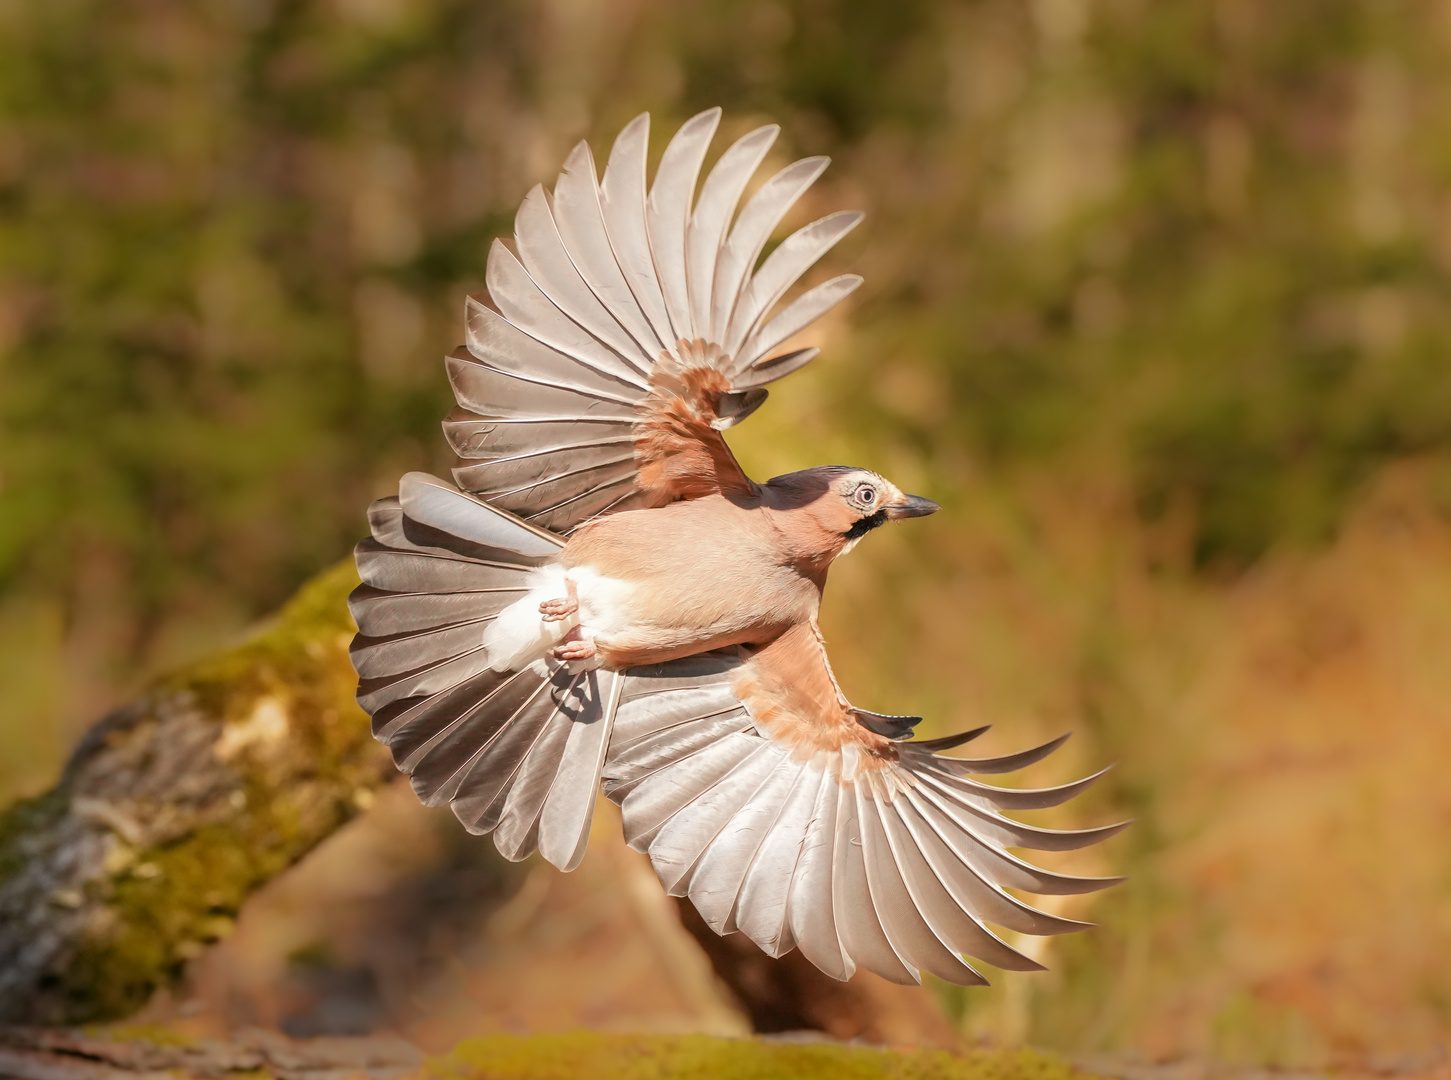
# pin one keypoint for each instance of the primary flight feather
(606, 597)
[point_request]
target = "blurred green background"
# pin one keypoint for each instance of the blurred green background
(1156, 305)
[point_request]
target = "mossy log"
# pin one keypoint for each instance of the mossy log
(175, 808)
(151, 1052)
(136, 1053)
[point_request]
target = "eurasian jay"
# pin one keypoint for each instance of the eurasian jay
(606, 597)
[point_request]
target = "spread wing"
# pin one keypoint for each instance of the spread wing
(630, 328)
(787, 815)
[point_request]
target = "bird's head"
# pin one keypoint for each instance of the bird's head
(828, 509)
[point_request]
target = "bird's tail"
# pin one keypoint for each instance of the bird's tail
(515, 753)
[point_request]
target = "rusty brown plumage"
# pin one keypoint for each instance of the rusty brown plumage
(680, 455)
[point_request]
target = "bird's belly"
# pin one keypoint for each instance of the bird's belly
(662, 615)
(683, 610)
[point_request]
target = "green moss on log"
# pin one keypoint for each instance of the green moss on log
(178, 897)
(294, 756)
(701, 1057)
(25, 818)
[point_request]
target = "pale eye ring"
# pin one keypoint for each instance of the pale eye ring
(865, 494)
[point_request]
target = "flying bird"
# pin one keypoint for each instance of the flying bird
(604, 597)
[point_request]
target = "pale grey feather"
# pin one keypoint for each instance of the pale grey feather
(431, 501)
(952, 923)
(546, 459)
(543, 254)
(811, 906)
(792, 258)
(777, 367)
(630, 765)
(690, 672)
(681, 841)
(374, 694)
(411, 651)
(478, 792)
(565, 819)
(517, 831)
(524, 304)
(907, 931)
(657, 708)
(974, 892)
(420, 572)
(716, 881)
(762, 213)
(949, 742)
(760, 909)
(535, 482)
(622, 200)
(499, 343)
(581, 223)
(488, 391)
(667, 213)
(398, 725)
(651, 804)
(1004, 764)
(795, 317)
(1006, 798)
(382, 614)
(447, 759)
(600, 484)
(606, 496)
(718, 198)
(436, 740)
(486, 438)
(858, 924)
(940, 807)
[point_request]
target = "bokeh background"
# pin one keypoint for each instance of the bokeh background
(1156, 305)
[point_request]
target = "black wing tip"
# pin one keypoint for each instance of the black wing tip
(896, 728)
(948, 742)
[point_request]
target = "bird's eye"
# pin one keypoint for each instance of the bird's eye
(865, 494)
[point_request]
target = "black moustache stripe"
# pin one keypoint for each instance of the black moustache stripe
(866, 524)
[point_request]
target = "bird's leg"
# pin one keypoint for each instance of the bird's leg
(574, 646)
(555, 610)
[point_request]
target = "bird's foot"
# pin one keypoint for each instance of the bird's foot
(574, 647)
(556, 610)
(564, 607)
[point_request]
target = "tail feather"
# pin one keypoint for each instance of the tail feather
(515, 752)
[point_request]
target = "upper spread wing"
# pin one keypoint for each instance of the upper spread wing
(630, 327)
(763, 796)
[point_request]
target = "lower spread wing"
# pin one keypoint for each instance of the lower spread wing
(763, 796)
(757, 790)
(630, 327)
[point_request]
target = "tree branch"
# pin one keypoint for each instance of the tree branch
(175, 808)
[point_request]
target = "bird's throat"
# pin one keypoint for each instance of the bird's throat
(862, 526)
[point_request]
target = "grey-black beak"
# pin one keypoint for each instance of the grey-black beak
(912, 506)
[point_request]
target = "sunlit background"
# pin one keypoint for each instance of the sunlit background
(1156, 306)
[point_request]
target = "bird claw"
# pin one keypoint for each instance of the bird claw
(564, 607)
(557, 610)
(574, 649)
